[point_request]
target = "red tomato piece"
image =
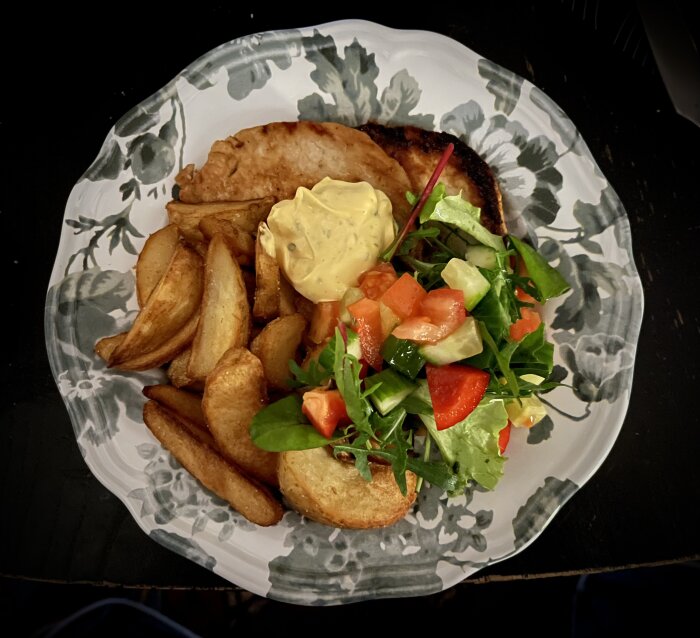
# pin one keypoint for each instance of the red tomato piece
(503, 438)
(324, 320)
(376, 281)
(325, 409)
(529, 322)
(404, 296)
(439, 314)
(455, 390)
(418, 329)
(523, 296)
(368, 325)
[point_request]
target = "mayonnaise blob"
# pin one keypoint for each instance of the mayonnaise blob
(326, 237)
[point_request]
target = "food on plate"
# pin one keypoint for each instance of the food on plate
(319, 486)
(355, 314)
(275, 159)
(249, 497)
(233, 393)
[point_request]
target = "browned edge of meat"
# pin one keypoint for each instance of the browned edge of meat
(418, 152)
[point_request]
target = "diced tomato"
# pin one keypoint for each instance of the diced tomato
(323, 321)
(455, 390)
(404, 296)
(503, 438)
(325, 409)
(368, 324)
(523, 296)
(418, 329)
(439, 314)
(376, 281)
(529, 322)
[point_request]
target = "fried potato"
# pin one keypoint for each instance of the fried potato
(186, 405)
(233, 394)
(267, 285)
(246, 215)
(241, 242)
(251, 499)
(225, 317)
(333, 492)
(169, 308)
(177, 371)
(153, 261)
(167, 351)
(287, 297)
(276, 344)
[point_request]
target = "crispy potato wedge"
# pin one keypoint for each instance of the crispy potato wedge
(153, 261)
(267, 285)
(169, 308)
(246, 215)
(241, 242)
(177, 371)
(225, 317)
(252, 500)
(233, 394)
(167, 351)
(333, 492)
(186, 405)
(287, 297)
(276, 344)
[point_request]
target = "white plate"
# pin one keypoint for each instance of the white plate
(349, 71)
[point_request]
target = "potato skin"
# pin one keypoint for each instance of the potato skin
(332, 492)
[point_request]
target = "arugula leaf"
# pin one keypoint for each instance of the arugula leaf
(502, 357)
(429, 275)
(534, 354)
(346, 371)
(314, 376)
(282, 426)
(547, 279)
(457, 211)
(412, 239)
(494, 308)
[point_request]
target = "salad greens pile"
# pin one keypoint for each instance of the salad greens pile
(391, 412)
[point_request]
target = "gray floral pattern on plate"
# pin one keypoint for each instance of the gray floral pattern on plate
(349, 72)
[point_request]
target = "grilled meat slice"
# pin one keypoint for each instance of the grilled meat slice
(275, 159)
(418, 151)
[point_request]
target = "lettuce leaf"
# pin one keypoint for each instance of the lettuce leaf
(470, 447)
(457, 211)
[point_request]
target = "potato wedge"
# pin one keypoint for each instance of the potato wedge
(246, 215)
(241, 242)
(251, 499)
(177, 371)
(267, 285)
(287, 297)
(276, 344)
(225, 317)
(153, 261)
(233, 394)
(167, 351)
(169, 308)
(186, 405)
(333, 492)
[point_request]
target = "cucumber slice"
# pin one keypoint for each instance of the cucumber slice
(394, 388)
(525, 411)
(461, 275)
(462, 343)
(403, 355)
(350, 297)
(482, 256)
(326, 358)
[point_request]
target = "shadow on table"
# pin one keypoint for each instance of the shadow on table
(596, 605)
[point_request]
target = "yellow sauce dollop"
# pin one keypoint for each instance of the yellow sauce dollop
(326, 237)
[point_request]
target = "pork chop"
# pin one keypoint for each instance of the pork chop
(275, 159)
(418, 151)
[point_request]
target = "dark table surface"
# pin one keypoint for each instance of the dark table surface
(59, 523)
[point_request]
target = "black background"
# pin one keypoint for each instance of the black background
(74, 74)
